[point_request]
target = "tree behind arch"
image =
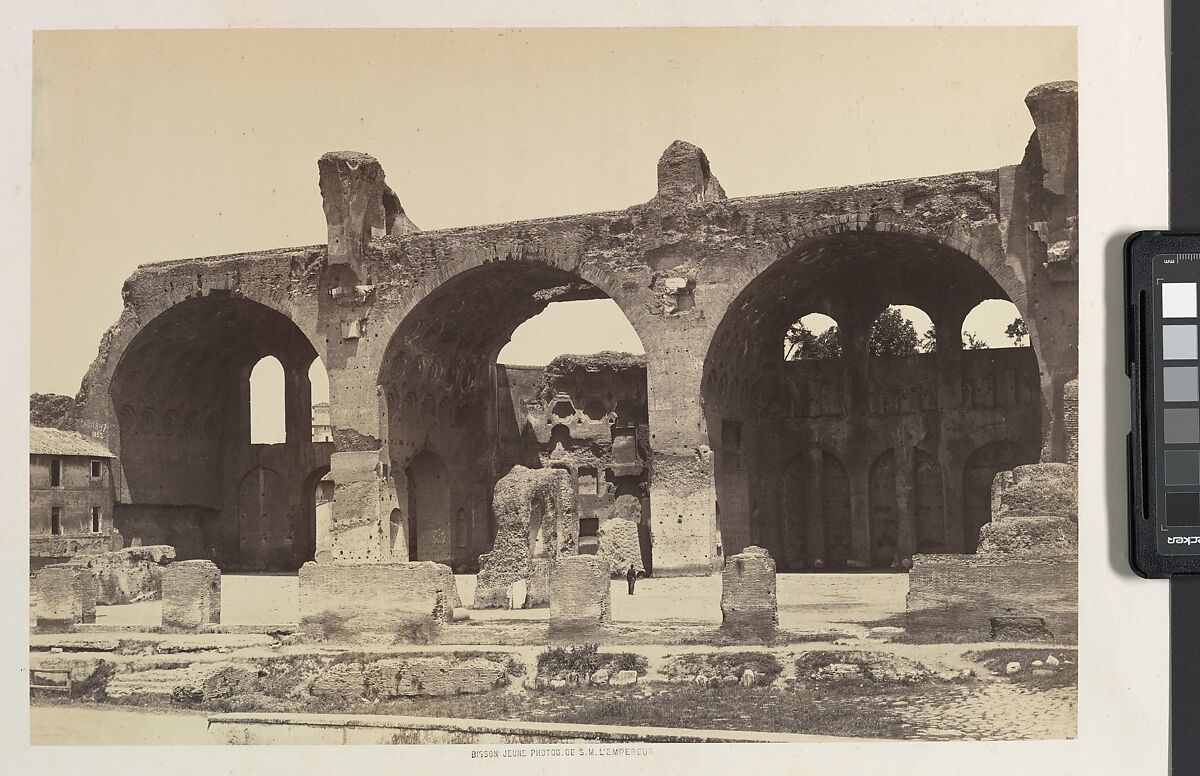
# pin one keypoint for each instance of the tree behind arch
(893, 335)
(801, 343)
(1017, 331)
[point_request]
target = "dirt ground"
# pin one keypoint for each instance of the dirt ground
(92, 725)
(807, 602)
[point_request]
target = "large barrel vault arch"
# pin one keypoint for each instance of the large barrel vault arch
(900, 420)
(447, 434)
(180, 399)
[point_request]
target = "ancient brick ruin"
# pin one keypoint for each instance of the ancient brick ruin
(579, 587)
(535, 524)
(748, 592)
(586, 415)
(66, 595)
(709, 445)
(385, 599)
(191, 595)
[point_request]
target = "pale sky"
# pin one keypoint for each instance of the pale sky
(587, 326)
(152, 145)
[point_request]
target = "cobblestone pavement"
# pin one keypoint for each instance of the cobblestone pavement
(994, 711)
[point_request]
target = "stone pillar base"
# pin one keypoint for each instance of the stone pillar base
(395, 602)
(191, 595)
(66, 596)
(579, 593)
(748, 592)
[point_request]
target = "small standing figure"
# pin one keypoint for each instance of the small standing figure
(631, 577)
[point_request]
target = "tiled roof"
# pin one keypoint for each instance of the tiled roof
(52, 441)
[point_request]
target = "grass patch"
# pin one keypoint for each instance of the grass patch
(717, 664)
(417, 631)
(1066, 674)
(857, 713)
(327, 625)
(836, 710)
(585, 659)
(736, 637)
(859, 666)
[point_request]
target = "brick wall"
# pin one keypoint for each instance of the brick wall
(66, 596)
(128, 575)
(1070, 413)
(960, 593)
(748, 591)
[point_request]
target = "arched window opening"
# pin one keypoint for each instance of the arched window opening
(815, 336)
(318, 381)
(902, 330)
(267, 403)
(994, 323)
(583, 326)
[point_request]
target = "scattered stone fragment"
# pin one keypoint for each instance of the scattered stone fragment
(623, 678)
(1012, 668)
(518, 591)
(1016, 628)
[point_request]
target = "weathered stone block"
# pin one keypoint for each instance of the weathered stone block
(341, 601)
(1033, 536)
(129, 575)
(410, 676)
(620, 545)
(1036, 490)
(358, 205)
(66, 596)
(684, 175)
(191, 595)
(623, 678)
(1015, 628)
(535, 519)
(748, 591)
(1055, 108)
(579, 592)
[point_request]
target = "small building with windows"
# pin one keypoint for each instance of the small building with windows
(322, 428)
(70, 497)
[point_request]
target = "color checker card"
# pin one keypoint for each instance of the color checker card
(1175, 345)
(1162, 359)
